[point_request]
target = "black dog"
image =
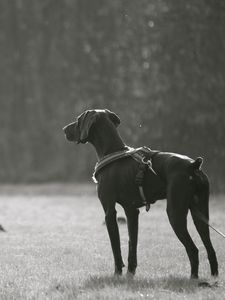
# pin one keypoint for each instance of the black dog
(175, 177)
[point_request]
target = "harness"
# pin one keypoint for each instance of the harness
(142, 155)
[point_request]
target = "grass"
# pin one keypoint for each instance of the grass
(56, 247)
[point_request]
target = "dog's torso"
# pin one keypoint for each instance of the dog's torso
(119, 179)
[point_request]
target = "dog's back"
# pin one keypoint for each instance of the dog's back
(167, 163)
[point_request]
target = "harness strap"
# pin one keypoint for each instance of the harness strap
(147, 204)
(106, 160)
(141, 155)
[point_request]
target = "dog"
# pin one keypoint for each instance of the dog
(174, 177)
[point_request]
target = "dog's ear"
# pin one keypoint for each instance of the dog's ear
(113, 117)
(85, 121)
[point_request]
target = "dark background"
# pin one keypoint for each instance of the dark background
(160, 65)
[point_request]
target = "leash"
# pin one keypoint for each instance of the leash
(204, 220)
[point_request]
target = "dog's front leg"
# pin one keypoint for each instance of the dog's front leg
(132, 214)
(112, 227)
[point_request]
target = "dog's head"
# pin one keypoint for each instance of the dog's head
(79, 130)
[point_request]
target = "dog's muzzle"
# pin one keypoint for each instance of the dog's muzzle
(69, 131)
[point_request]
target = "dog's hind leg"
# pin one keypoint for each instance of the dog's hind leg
(200, 205)
(177, 210)
(132, 214)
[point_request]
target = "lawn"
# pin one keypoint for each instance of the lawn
(56, 247)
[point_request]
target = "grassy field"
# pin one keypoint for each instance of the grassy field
(56, 247)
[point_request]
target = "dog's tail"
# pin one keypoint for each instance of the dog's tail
(196, 165)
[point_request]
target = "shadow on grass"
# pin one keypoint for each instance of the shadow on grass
(170, 283)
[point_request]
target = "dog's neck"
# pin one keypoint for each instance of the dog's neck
(106, 139)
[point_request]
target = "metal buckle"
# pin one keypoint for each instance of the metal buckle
(146, 162)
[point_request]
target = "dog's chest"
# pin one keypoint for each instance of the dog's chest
(118, 179)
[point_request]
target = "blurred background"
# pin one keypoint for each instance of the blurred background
(158, 64)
